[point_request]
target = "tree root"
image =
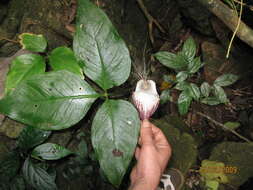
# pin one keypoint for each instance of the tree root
(230, 19)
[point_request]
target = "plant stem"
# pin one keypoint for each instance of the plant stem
(223, 126)
(7, 39)
(236, 29)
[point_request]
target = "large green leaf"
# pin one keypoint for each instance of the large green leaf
(23, 67)
(99, 46)
(33, 42)
(189, 48)
(115, 131)
(50, 151)
(9, 166)
(184, 102)
(37, 177)
(226, 80)
(51, 101)
(31, 136)
(18, 183)
(171, 60)
(63, 58)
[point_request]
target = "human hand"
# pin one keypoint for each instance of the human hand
(152, 157)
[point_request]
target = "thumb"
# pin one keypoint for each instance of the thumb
(146, 133)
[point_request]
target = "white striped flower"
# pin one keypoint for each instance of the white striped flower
(146, 98)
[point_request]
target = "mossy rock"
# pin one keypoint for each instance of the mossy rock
(238, 156)
(184, 147)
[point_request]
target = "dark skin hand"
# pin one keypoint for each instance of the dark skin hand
(152, 157)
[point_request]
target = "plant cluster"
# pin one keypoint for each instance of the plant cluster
(60, 98)
(186, 65)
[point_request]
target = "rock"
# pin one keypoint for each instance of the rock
(11, 128)
(184, 147)
(214, 55)
(237, 158)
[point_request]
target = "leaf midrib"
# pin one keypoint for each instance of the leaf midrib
(69, 97)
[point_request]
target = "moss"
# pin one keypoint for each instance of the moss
(238, 156)
(184, 148)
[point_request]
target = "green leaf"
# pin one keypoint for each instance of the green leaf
(184, 102)
(205, 89)
(50, 151)
(33, 42)
(83, 149)
(31, 136)
(213, 170)
(182, 85)
(195, 65)
(37, 177)
(63, 58)
(23, 67)
(232, 125)
(212, 185)
(226, 80)
(189, 48)
(194, 91)
(171, 60)
(210, 101)
(220, 94)
(18, 183)
(115, 131)
(9, 166)
(99, 46)
(182, 76)
(165, 96)
(51, 101)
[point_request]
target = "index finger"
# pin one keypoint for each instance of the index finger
(158, 136)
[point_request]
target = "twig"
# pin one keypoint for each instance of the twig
(236, 29)
(151, 21)
(7, 39)
(223, 126)
(230, 19)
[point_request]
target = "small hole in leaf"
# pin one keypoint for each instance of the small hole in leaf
(35, 105)
(117, 153)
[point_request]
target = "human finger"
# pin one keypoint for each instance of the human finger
(137, 153)
(146, 134)
(159, 136)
